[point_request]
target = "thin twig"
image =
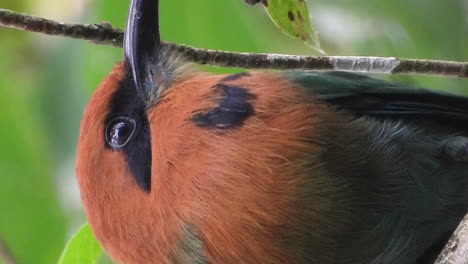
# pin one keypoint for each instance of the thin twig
(102, 33)
(5, 254)
(456, 250)
(105, 34)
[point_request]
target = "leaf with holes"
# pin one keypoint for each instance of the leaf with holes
(292, 17)
(82, 248)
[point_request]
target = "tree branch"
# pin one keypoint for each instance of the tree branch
(103, 33)
(456, 250)
(5, 254)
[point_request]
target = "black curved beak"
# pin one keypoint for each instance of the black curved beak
(142, 41)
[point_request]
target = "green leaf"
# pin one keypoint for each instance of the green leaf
(104, 259)
(292, 17)
(82, 248)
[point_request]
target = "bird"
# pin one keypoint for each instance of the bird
(180, 166)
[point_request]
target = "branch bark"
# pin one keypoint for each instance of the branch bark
(5, 254)
(105, 34)
(456, 250)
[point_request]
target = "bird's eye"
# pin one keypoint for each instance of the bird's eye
(119, 131)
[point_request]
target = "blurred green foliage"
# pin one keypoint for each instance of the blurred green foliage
(45, 82)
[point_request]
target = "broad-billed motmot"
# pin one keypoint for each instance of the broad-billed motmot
(178, 166)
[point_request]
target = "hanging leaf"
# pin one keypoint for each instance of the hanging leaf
(292, 18)
(82, 248)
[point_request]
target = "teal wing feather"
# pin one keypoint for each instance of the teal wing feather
(364, 95)
(394, 164)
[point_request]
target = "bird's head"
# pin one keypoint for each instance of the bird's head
(175, 165)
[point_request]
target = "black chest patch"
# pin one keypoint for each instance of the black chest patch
(233, 108)
(127, 104)
(235, 76)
